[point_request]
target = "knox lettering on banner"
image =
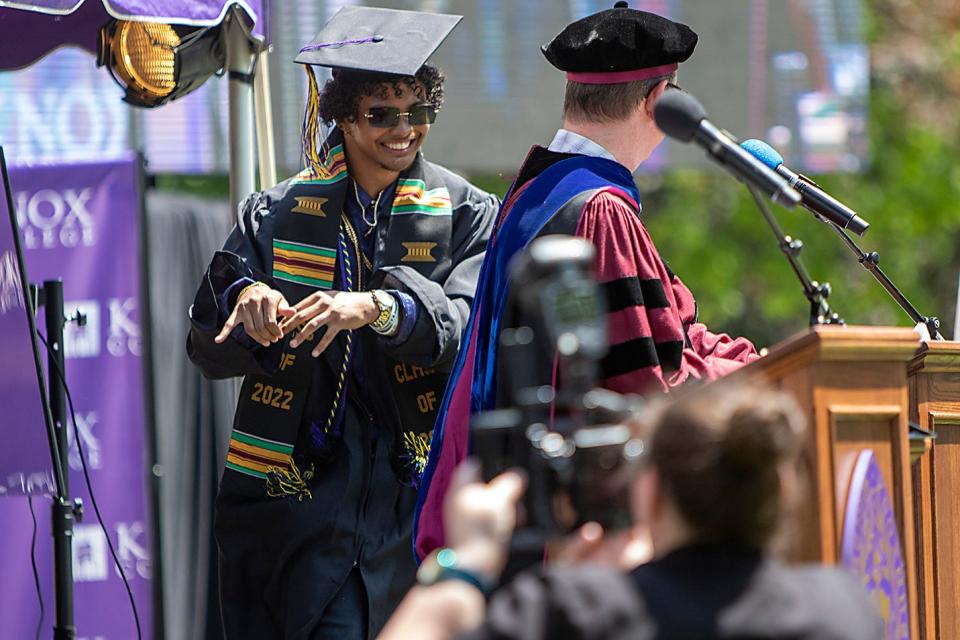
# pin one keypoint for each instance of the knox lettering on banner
(132, 549)
(51, 219)
(124, 335)
(92, 449)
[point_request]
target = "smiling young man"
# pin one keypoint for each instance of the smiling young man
(341, 296)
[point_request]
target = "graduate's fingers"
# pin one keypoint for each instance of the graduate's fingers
(252, 323)
(310, 314)
(270, 319)
(325, 341)
(284, 310)
(307, 331)
(255, 310)
(298, 314)
(312, 299)
(294, 320)
(314, 325)
(227, 327)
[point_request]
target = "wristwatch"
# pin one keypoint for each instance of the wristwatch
(442, 565)
(385, 308)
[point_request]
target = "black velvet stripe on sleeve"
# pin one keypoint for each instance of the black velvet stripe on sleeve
(640, 353)
(628, 356)
(670, 355)
(633, 292)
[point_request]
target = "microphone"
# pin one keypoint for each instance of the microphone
(682, 117)
(815, 199)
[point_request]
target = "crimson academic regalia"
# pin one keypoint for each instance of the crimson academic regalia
(655, 339)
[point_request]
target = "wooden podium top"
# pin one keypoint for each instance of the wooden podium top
(839, 343)
(937, 357)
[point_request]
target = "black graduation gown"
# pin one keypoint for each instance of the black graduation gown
(283, 559)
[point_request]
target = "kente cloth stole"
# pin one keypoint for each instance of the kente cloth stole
(315, 247)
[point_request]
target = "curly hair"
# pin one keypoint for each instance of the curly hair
(340, 98)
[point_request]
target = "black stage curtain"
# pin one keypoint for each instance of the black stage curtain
(193, 415)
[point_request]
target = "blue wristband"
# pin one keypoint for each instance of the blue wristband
(453, 573)
(442, 565)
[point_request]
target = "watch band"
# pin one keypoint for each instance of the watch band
(384, 308)
(442, 565)
(453, 573)
(388, 319)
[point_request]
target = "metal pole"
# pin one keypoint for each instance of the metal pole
(266, 149)
(240, 67)
(63, 508)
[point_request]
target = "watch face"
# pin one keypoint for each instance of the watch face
(383, 309)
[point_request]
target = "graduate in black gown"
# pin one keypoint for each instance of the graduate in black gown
(340, 296)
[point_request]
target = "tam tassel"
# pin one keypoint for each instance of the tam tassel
(310, 131)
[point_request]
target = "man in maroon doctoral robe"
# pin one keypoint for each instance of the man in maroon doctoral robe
(618, 63)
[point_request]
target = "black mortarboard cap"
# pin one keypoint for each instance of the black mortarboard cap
(378, 40)
(620, 45)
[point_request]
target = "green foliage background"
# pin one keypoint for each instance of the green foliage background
(706, 225)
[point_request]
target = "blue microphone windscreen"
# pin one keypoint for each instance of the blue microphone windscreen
(763, 152)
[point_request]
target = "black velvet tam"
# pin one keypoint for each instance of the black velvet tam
(620, 39)
(378, 40)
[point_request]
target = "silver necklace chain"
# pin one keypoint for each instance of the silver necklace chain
(363, 210)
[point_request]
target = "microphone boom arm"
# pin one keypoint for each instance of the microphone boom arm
(816, 293)
(871, 262)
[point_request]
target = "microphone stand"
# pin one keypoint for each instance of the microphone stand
(65, 511)
(816, 293)
(871, 262)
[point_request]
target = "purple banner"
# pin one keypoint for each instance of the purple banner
(25, 464)
(870, 546)
(56, 23)
(80, 223)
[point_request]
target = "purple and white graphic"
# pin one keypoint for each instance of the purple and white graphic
(25, 464)
(870, 547)
(81, 223)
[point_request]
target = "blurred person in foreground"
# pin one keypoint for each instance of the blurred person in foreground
(341, 296)
(618, 63)
(718, 476)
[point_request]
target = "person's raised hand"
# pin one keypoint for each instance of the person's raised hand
(258, 309)
(479, 518)
(336, 310)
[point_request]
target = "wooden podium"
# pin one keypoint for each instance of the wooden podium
(852, 382)
(934, 377)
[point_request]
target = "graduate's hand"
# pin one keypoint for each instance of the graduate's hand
(336, 310)
(258, 308)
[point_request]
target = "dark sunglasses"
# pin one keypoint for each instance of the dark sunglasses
(389, 117)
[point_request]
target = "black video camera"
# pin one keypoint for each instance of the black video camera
(571, 438)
